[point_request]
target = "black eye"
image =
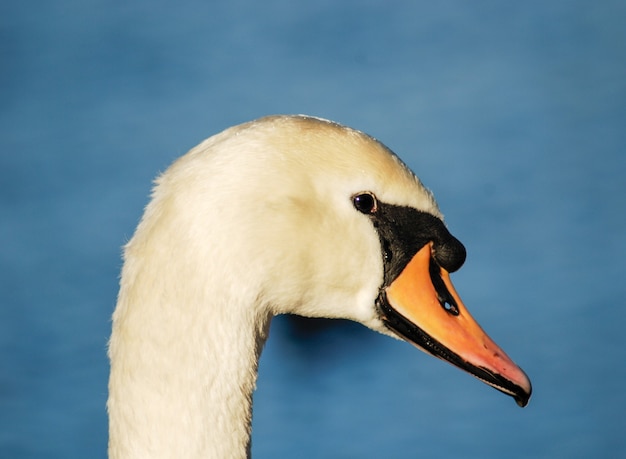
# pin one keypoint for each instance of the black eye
(365, 203)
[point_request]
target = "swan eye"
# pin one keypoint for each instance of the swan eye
(365, 203)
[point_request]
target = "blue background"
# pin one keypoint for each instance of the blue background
(514, 113)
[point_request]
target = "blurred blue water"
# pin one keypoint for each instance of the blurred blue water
(514, 114)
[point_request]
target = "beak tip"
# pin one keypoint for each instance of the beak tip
(522, 401)
(522, 397)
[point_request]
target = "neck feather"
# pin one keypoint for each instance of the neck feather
(183, 366)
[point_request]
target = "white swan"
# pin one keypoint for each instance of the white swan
(286, 214)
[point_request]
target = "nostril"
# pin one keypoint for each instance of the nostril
(445, 298)
(450, 307)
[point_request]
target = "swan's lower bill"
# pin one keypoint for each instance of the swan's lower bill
(422, 306)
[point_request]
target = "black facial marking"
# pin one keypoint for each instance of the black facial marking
(387, 253)
(403, 231)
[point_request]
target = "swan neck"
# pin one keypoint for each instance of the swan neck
(183, 371)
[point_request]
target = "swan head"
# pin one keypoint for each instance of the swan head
(301, 215)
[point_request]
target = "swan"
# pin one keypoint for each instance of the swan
(284, 214)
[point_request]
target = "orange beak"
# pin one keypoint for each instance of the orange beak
(422, 306)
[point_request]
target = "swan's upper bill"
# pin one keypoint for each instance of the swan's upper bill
(286, 214)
